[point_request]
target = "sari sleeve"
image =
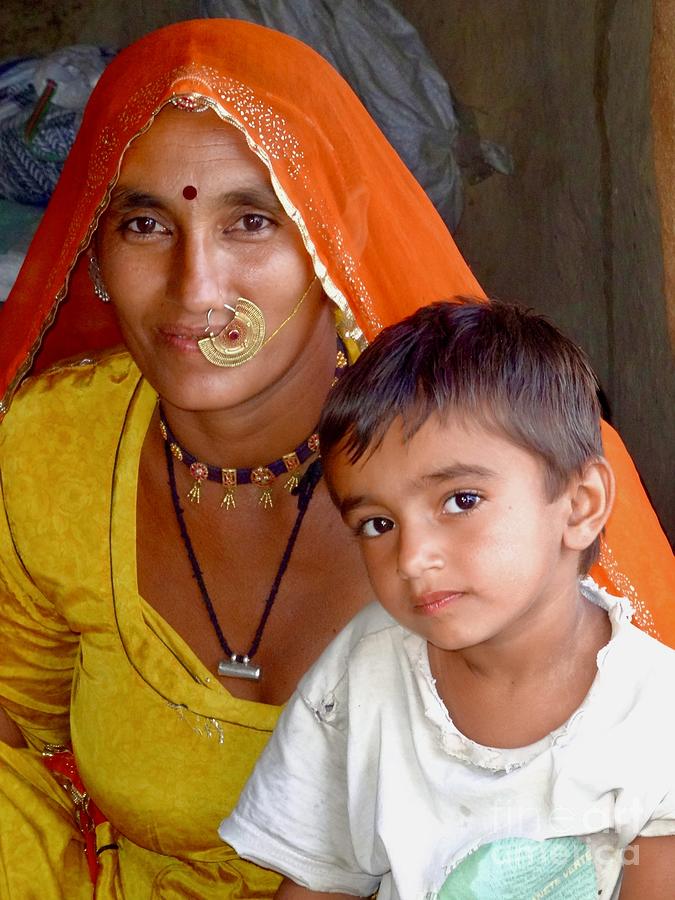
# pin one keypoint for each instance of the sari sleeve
(37, 651)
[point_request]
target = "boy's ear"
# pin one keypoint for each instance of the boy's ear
(591, 501)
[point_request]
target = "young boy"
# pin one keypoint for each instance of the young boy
(495, 728)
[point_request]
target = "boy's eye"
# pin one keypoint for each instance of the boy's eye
(375, 527)
(461, 502)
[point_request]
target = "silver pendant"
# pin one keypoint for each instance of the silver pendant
(239, 668)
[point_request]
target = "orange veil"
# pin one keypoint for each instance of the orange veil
(376, 242)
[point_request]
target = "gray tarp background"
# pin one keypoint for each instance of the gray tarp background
(382, 57)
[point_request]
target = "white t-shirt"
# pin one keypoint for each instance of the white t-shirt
(367, 783)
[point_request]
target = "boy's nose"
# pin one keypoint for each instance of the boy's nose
(419, 550)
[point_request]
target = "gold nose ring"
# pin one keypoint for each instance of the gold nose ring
(208, 330)
(239, 340)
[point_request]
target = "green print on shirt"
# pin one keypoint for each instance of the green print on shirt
(522, 869)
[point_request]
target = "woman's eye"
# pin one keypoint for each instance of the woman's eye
(254, 222)
(145, 225)
(375, 527)
(461, 502)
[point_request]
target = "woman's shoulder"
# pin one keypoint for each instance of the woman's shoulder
(81, 389)
(68, 416)
(59, 444)
(77, 380)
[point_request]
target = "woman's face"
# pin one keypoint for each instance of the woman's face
(194, 223)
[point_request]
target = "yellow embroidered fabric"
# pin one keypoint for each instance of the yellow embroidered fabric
(71, 620)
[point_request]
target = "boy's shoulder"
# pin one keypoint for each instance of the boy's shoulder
(627, 638)
(635, 670)
(650, 664)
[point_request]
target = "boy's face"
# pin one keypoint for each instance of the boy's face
(461, 542)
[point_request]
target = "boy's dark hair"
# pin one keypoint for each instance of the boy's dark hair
(505, 367)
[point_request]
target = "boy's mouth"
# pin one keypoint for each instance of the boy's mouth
(435, 601)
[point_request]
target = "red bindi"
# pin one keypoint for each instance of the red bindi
(189, 192)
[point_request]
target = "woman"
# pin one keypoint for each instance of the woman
(225, 180)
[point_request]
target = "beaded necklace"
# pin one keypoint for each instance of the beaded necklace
(263, 476)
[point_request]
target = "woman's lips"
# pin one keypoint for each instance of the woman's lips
(432, 603)
(179, 338)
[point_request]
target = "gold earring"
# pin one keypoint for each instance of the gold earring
(239, 340)
(97, 280)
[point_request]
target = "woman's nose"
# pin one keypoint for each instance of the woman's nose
(419, 551)
(198, 275)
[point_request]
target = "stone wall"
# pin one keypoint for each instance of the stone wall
(43, 25)
(663, 126)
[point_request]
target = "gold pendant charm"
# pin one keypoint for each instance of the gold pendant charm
(291, 483)
(264, 478)
(313, 443)
(265, 499)
(292, 463)
(199, 472)
(229, 479)
(239, 340)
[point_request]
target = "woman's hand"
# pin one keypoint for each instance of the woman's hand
(289, 890)
(649, 870)
(9, 733)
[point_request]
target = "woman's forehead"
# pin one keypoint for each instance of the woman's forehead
(181, 146)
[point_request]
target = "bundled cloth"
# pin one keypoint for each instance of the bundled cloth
(41, 103)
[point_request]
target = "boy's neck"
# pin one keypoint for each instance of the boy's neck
(517, 688)
(534, 644)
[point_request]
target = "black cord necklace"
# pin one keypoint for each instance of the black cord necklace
(239, 665)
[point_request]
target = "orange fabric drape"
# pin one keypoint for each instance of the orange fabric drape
(377, 244)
